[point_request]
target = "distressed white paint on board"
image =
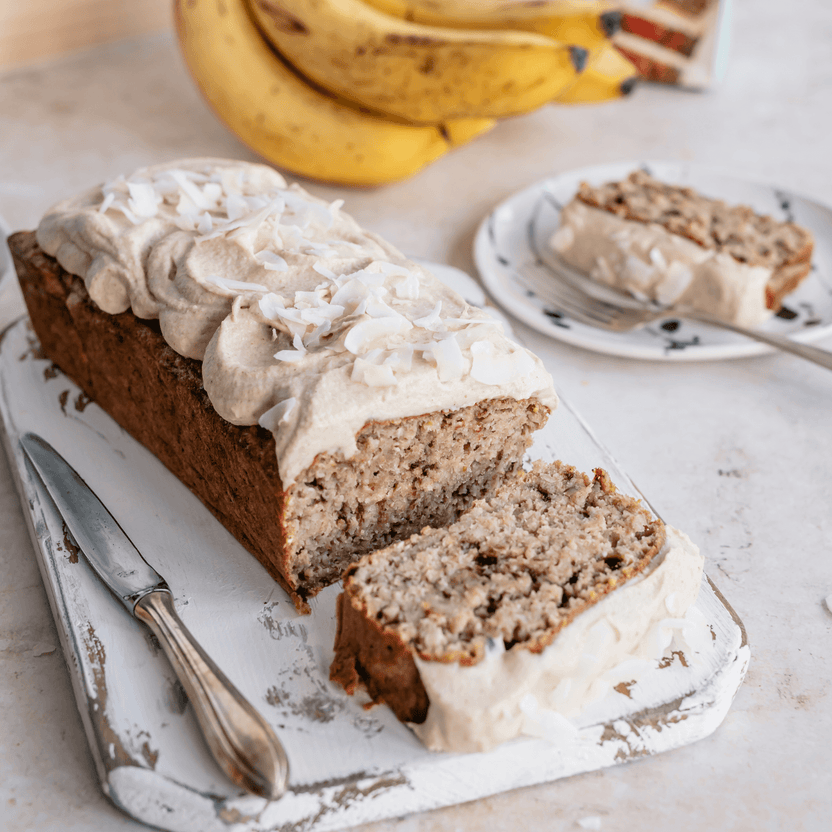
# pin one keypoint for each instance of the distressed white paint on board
(349, 765)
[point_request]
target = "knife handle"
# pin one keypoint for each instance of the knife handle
(240, 740)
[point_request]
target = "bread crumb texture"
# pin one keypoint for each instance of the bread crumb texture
(406, 474)
(517, 567)
(748, 237)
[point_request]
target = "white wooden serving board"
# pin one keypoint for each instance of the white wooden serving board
(348, 765)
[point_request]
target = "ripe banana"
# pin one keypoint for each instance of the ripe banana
(422, 74)
(586, 23)
(484, 13)
(287, 121)
(592, 30)
(609, 75)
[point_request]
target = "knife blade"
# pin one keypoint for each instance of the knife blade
(241, 741)
(110, 552)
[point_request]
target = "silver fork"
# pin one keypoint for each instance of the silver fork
(604, 307)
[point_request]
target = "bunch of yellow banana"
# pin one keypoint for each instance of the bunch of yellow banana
(364, 92)
(586, 23)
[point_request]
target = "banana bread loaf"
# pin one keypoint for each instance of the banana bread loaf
(321, 394)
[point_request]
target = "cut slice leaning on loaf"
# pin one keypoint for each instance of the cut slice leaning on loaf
(543, 587)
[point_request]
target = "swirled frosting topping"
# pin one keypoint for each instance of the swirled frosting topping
(305, 323)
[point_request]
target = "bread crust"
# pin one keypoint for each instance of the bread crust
(123, 364)
(367, 654)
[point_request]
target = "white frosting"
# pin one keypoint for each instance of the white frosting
(305, 323)
(650, 262)
(515, 692)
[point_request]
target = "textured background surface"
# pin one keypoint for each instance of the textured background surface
(41, 29)
(737, 453)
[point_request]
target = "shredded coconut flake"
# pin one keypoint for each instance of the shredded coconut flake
(373, 375)
(657, 258)
(318, 249)
(107, 202)
(235, 207)
(277, 415)
(233, 287)
(472, 321)
(400, 358)
(269, 304)
(253, 220)
(346, 243)
(186, 222)
(206, 224)
(392, 268)
(364, 333)
(447, 354)
(432, 321)
(409, 288)
(350, 294)
(213, 194)
(186, 206)
(323, 270)
(271, 261)
(309, 210)
(377, 308)
(290, 356)
(189, 188)
(491, 368)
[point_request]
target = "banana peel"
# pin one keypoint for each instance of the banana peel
(423, 74)
(608, 76)
(585, 23)
(288, 121)
(483, 14)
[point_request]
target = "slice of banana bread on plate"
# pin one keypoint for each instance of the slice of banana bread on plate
(672, 244)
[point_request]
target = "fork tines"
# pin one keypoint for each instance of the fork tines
(572, 301)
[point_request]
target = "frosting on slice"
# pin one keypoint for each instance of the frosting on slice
(653, 263)
(517, 692)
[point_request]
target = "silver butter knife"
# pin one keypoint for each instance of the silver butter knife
(240, 740)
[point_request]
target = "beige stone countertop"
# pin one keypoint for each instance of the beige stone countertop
(738, 452)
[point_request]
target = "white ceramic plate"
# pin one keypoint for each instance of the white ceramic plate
(517, 232)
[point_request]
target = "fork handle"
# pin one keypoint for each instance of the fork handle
(814, 354)
(240, 740)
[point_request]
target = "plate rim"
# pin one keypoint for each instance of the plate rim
(536, 319)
